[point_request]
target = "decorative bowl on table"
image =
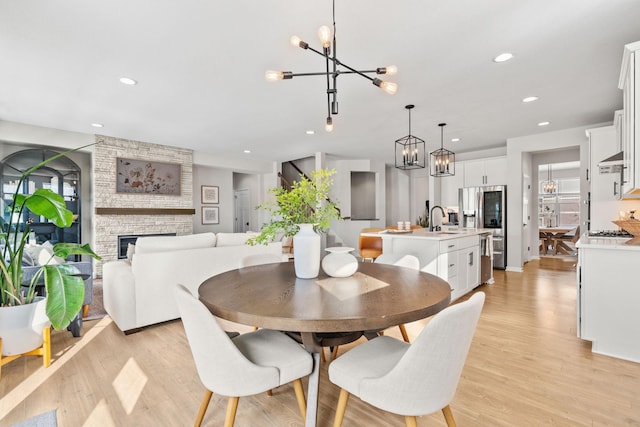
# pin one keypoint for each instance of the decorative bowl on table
(339, 262)
(631, 226)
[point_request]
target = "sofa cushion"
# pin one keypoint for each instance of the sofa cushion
(153, 244)
(40, 255)
(231, 239)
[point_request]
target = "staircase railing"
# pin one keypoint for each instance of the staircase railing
(287, 185)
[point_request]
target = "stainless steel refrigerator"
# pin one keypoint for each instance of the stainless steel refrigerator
(486, 207)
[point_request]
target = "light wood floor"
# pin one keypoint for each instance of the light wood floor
(525, 368)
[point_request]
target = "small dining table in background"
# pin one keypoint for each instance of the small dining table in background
(376, 297)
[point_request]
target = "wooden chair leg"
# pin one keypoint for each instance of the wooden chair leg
(403, 331)
(85, 310)
(341, 408)
(411, 421)
(302, 403)
(335, 353)
(232, 408)
(203, 407)
(448, 416)
(323, 357)
(46, 346)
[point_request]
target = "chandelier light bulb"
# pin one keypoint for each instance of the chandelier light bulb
(389, 87)
(324, 33)
(295, 41)
(391, 70)
(329, 125)
(272, 75)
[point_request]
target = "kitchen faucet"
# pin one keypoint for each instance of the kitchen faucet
(437, 227)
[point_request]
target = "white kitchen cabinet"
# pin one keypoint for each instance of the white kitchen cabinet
(629, 81)
(490, 171)
(454, 258)
(449, 187)
(459, 264)
(605, 187)
(607, 306)
(603, 144)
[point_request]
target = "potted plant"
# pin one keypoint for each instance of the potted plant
(62, 282)
(301, 212)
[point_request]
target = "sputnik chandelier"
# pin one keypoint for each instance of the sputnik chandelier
(334, 68)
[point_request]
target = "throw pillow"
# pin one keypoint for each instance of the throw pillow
(45, 256)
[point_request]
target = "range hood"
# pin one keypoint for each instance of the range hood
(612, 164)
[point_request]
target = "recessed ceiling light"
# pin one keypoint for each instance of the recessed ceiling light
(128, 81)
(97, 125)
(247, 151)
(455, 139)
(310, 132)
(530, 99)
(503, 57)
(543, 124)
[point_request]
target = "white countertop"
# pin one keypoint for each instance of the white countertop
(424, 233)
(618, 243)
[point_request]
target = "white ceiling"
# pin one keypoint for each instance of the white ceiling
(200, 67)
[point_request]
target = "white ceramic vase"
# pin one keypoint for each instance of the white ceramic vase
(21, 327)
(339, 262)
(306, 260)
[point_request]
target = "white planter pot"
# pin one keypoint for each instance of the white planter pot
(339, 262)
(21, 327)
(306, 260)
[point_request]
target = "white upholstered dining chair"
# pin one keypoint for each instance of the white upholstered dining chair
(410, 379)
(248, 364)
(409, 261)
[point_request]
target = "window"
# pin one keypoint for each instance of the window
(561, 208)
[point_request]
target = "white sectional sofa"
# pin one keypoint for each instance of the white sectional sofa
(139, 292)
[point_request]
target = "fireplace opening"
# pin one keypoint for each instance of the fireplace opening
(123, 242)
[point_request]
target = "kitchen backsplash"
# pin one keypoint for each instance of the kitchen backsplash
(603, 213)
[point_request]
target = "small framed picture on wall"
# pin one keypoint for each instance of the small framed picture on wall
(210, 215)
(210, 194)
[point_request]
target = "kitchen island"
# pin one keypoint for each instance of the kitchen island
(454, 254)
(608, 296)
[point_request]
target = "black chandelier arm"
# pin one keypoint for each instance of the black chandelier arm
(329, 90)
(353, 70)
(333, 73)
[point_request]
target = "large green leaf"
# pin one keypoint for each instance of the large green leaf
(50, 205)
(63, 250)
(65, 293)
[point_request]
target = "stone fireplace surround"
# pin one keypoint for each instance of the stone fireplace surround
(119, 214)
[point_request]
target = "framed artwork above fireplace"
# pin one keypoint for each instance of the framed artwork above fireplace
(147, 177)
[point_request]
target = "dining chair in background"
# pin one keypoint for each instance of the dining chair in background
(401, 260)
(370, 248)
(249, 364)
(409, 261)
(559, 241)
(410, 379)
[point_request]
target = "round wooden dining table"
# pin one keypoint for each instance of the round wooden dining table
(376, 297)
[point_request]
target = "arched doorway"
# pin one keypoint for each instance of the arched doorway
(61, 175)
